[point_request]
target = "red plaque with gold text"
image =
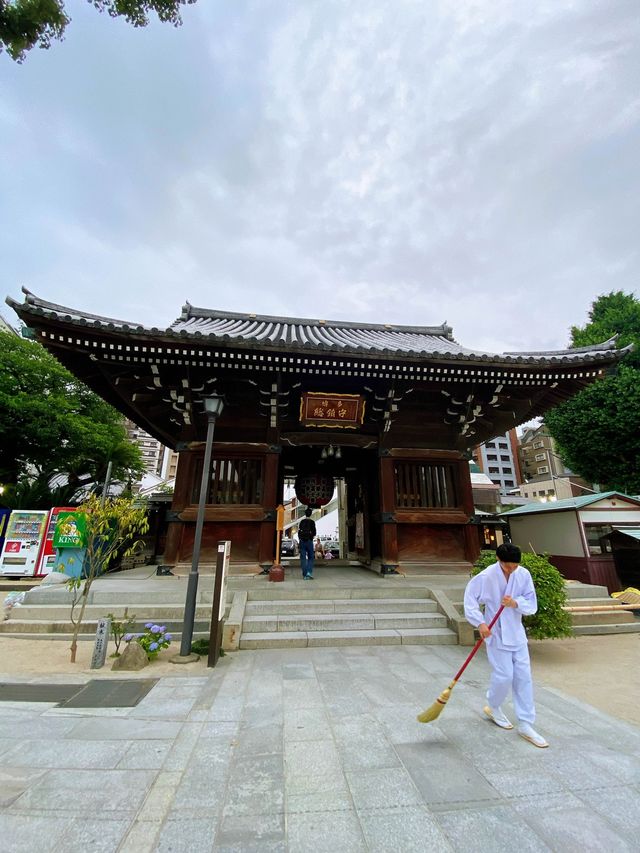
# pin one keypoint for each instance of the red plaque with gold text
(344, 411)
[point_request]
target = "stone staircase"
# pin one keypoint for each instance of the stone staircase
(343, 617)
(258, 614)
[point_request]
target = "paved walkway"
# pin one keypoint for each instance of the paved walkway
(316, 750)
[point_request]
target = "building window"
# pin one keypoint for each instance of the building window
(425, 485)
(503, 446)
(595, 534)
(505, 458)
(508, 482)
(494, 470)
(543, 469)
(507, 470)
(233, 481)
(490, 444)
(491, 457)
(540, 457)
(537, 444)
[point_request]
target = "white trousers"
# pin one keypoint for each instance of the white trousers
(511, 670)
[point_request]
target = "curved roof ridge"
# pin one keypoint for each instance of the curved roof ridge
(605, 345)
(37, 302)
(190, 311)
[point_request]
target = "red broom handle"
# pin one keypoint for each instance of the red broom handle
(478, 644)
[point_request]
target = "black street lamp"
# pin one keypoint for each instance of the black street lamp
(213, 407)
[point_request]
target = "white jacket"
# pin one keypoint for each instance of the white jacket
(488, 588)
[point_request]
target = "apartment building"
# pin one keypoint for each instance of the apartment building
(151, 449)
(539, 459)
(498, 459)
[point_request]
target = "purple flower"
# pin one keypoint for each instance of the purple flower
(162, 629)
(155, 629)
(148, 624)
(153, 647)
(127, 638)
(168, 637)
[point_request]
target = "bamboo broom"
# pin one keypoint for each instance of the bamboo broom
(437, 708)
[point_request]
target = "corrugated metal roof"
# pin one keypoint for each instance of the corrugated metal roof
(336, 336)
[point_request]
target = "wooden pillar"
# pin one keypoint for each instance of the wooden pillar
(389, 527)
(465, 491)
(267, 545)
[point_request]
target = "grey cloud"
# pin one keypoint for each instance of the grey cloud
(473, 162)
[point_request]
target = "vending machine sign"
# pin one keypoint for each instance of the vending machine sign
(70, 530)
(23, 542)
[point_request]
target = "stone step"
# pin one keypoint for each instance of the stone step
(335, 622)
(148, 613)
(317, 590)
(609, 628)
(359, 605)
(309, 639)
(175, 638)
(20, 627)
(603, 618)
(585, 590)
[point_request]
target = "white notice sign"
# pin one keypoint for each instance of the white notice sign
(101, 643)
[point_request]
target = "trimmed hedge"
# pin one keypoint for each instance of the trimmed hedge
(551, 621)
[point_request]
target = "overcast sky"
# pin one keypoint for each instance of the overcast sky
(406, 162)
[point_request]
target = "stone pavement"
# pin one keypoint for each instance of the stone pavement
(316, 750)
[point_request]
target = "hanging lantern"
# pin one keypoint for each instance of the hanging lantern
(314, 490)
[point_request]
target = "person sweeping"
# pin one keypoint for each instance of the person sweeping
(506, 586)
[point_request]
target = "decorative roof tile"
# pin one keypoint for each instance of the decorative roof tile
(332, 336)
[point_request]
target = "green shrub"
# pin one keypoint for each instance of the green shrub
(551, 620)
(200, 647)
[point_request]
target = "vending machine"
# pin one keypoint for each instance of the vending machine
(23, 542)
(48, 556)
(4, 520)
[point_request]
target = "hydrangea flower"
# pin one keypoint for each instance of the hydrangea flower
(155, 629)
(148, 624)
(168, 637)
(153, 646)
(128, 637)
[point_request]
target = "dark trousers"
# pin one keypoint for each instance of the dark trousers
(306, 557)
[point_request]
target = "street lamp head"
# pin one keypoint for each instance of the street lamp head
(213, 405)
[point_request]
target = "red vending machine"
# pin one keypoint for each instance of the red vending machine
(23, 542)
(48, 555)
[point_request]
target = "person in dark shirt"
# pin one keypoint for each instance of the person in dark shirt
(306, 533)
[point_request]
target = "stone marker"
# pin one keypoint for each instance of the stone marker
(132, 658)
(101, 643)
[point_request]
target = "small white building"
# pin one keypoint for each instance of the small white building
(580, 535)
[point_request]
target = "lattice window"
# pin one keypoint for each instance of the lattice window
(425, 485)
(233, 481)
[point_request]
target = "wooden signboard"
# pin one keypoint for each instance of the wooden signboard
(344, 411)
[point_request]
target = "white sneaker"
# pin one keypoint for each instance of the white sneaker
(529, 733)
(498, 717)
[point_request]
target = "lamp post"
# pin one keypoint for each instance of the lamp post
(213, 407)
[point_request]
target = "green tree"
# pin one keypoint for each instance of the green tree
(597, 431)
(27, 23)
(113, 528)
(52, 424)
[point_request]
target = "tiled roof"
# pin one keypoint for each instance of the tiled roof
(296, 334)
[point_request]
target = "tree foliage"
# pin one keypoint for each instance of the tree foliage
(113, 528)
(52, 424)
(27, 23)
(551, 620)
(597, 430)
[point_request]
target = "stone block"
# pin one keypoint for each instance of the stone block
(353, 638)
